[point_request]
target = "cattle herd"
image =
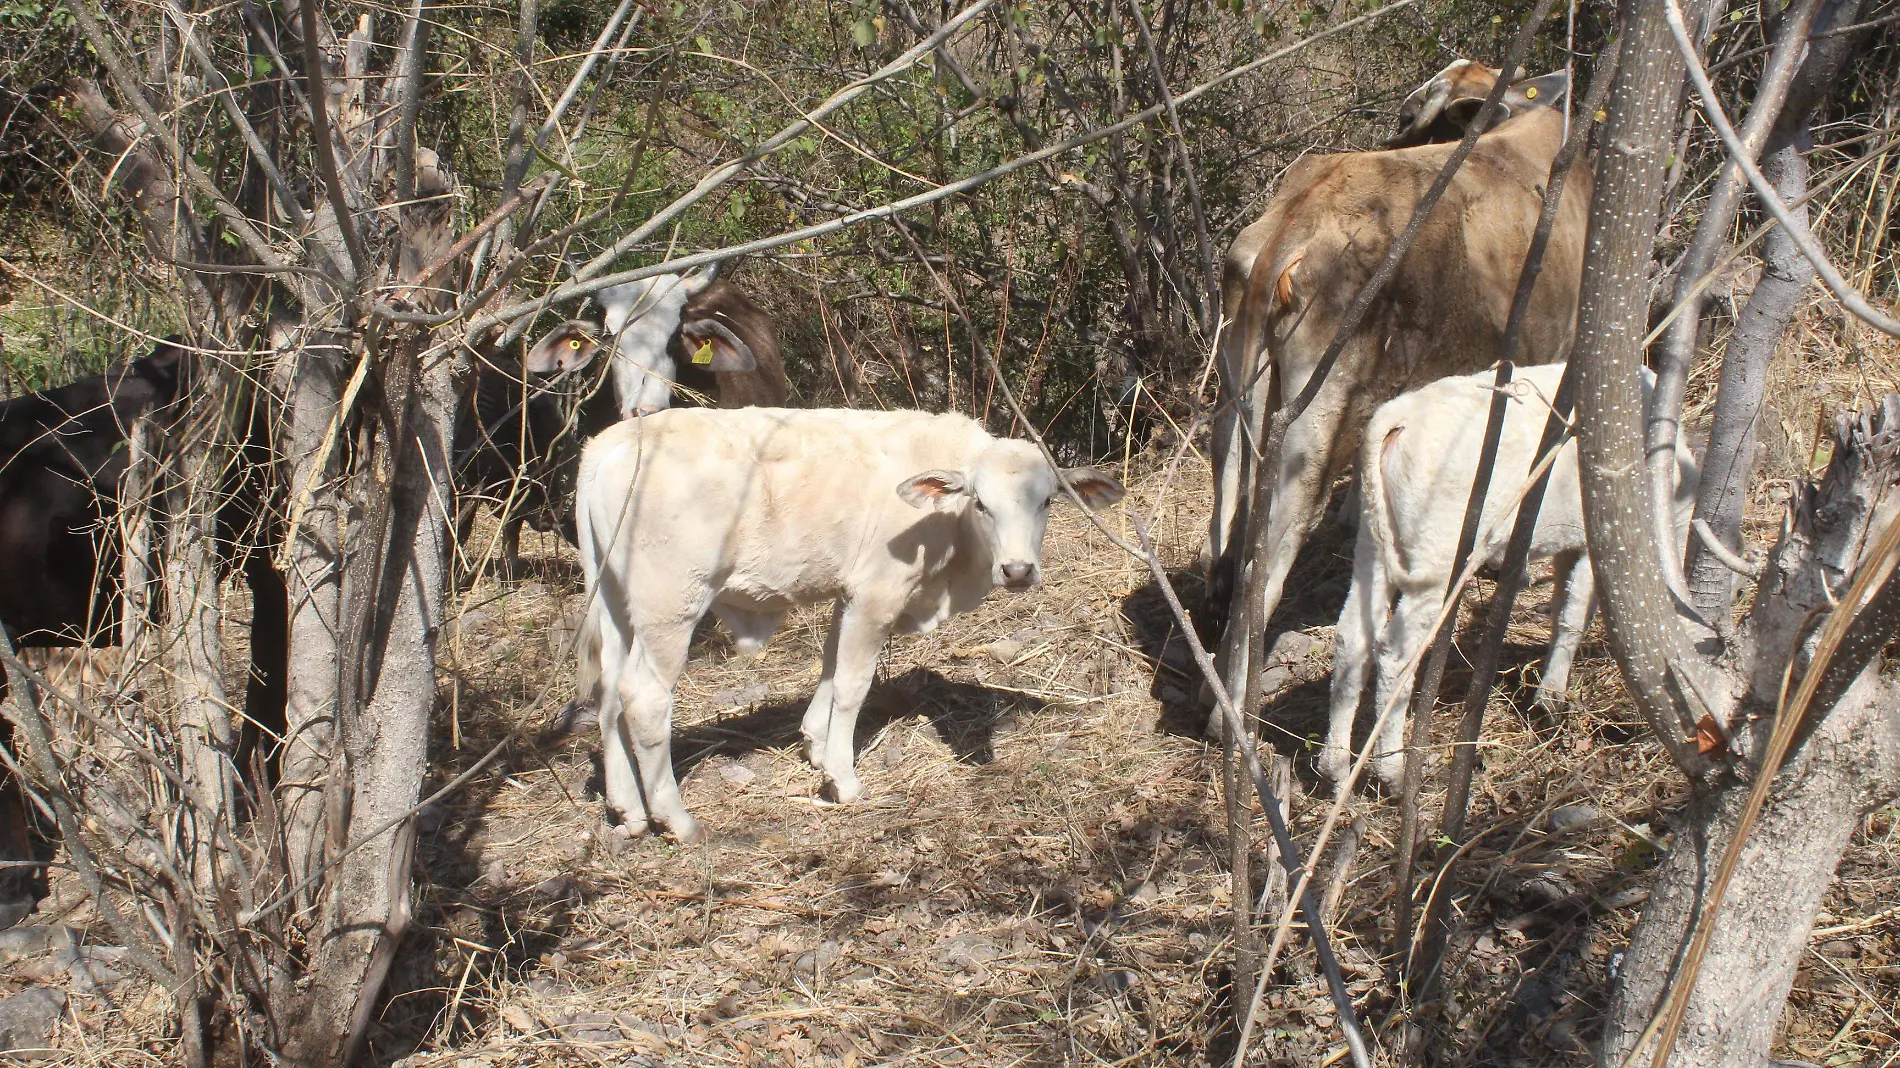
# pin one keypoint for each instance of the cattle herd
(731, 503)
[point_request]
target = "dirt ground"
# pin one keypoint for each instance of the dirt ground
(1038, 872)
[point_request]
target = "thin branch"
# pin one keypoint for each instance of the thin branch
(1204, 245)
(228, 100)
(1679, 343)
(414, 64)
(128, 88)
(724, 174)
(1844, 292)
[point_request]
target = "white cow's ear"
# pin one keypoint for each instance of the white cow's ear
(932, 489)
(1096, 488)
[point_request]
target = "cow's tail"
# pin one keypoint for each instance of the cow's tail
(589, 640)
(1271, 291)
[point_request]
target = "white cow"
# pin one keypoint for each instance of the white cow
(1416, 470)
(902, 518)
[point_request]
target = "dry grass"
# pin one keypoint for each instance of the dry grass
(1038, 874)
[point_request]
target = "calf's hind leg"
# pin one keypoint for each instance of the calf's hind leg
(644, 691)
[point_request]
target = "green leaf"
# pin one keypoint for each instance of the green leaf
(703, 43)
(260, 67)
(864, 33)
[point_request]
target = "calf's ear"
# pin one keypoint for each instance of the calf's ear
(570, 345)
(1098, 489)
(710, 344)
(932, 489)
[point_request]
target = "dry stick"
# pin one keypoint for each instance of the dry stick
(216, 80)
(128, 87)
(1679, 344)
(674, 265)
(322, 143)
(1203, 244)
(1863, 621)
(1850, 298)
(1289, 853)
(779, 140)
(1516, 554)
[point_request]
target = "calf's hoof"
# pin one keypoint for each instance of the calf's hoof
(1390, 769)
(687, 831)
(1335, 763)
(840, 791)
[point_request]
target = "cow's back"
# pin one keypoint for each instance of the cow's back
(787, 502)
(1446, 307)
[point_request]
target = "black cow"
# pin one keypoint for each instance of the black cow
(62, 457)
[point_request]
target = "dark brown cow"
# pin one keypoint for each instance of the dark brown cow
(1290, 276)
(62, 456)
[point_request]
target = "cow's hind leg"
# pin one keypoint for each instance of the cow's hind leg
(858, 632)
(1355, 647)
(1406, 634)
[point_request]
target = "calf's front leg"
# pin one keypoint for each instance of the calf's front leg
(857, 635)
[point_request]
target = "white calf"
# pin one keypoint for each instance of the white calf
(902, 518)
(1416, 470)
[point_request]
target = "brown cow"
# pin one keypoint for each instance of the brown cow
(1289, 278)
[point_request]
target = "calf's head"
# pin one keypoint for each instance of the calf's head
(1444, 107)
(1004, 499)
(641, 324)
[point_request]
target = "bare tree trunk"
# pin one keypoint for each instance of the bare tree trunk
(1646, 635)
(1849, 766)
(1851, 761)
(313, 577)
(1729, 465)
(388, 745)
(194, 613)
(1785, 277)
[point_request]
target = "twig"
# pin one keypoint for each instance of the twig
(1723, 553)
(1517, 551)
(1664, 417)
(779, 140)
(322, 142)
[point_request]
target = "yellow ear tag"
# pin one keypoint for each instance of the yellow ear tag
(1602, 114)
(703, 354)
(1530, 93)
(573, 343)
